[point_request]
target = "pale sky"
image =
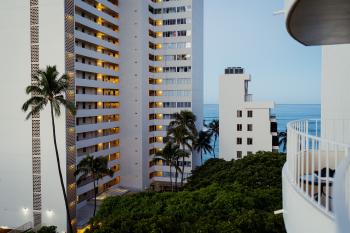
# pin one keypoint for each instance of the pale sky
(246, 33)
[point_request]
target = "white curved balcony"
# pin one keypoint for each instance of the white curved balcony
(318, 22)
(309, 178)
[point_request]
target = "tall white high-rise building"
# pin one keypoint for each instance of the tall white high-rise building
(247, 126)
(131, 64)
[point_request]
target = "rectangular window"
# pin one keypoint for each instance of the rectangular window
(249, 153)
(239, 141)
(249, 127)
(239, 154)
(239, 113)
(239, 127)
(249, 141)
(250, 113)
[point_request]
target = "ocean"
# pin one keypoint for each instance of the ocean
(284, 114)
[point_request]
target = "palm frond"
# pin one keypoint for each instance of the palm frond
(35, 110)
(67, 104)
(33, 101)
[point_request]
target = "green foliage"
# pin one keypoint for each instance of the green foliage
(236, 196)
(44, 229)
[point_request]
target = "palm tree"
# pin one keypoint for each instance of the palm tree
(282, 140)
(49, 88)
(202, 144)
(180, 136)
(95, 169)
(185, 120)
(170, 154)
(213, 128)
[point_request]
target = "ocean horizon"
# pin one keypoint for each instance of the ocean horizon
(284, 113)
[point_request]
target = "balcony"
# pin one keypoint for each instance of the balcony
(309, 183)
(248, 98)
(319, 22)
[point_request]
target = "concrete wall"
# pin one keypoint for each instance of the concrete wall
(232, 98)
(335, 108)
(133, 94)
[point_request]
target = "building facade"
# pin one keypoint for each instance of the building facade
(248, 126)
(131, 65)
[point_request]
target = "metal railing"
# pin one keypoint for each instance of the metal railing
(312, 162)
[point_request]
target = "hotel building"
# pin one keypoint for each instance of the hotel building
(316, 175)
(131, 65)
(248, 125)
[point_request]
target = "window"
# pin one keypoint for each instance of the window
(249, 127)
(239, 154)
(239, 141)
(239, 127)
(249, 141)
(249, 153)
(250, 113)
(239, 113)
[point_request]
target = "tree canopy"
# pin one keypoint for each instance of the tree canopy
(236, 196)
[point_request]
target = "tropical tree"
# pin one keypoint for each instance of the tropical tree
(49, 88)
(170, 154)
(282, 140)
(180, 136)
(185, 119)
(202, 144)
(95, 169)
(213, 128)
(185, 124)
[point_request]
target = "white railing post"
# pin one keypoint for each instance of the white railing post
(341, 195)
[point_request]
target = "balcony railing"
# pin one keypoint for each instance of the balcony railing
(312, 162)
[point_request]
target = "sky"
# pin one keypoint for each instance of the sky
(246, 33)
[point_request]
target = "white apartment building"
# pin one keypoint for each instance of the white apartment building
(247, 126)
(132, 64)
(316, 175)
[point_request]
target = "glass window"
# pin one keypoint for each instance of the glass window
(249, 141)
(250, 113)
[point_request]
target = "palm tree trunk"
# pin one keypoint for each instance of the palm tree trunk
(171, 178)
(214, 146)
(60, 171)
(176, 173)
(201, 157)
(95, 196)
(183, 167)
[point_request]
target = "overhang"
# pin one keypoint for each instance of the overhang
(319, 22)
